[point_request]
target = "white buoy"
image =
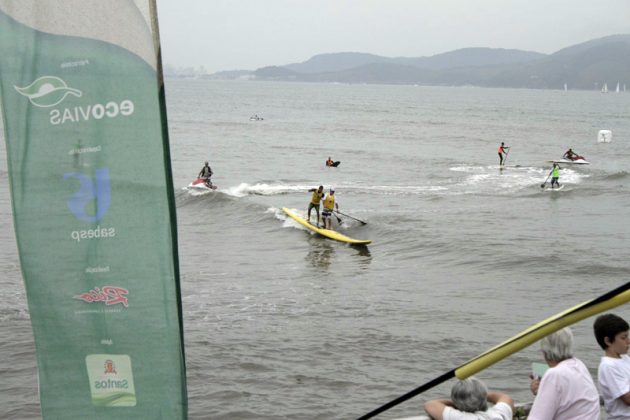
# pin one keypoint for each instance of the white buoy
(604, 136)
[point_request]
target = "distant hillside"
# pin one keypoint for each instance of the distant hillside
(325, 63)
(229, 75)
(466, 57)
(584, 66)
(579, 48)
(472, 57)
(277, 73)
(368, 68)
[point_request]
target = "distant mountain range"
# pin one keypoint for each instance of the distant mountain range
(583, 66)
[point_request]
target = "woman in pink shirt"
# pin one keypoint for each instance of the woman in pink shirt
(566, 390)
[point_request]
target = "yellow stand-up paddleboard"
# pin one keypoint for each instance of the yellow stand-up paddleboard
(325, 232)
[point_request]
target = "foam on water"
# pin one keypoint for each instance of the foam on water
(195, 192)
(287, 221)
(488, 179)
(244, 189)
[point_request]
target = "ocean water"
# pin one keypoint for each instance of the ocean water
(282, 324)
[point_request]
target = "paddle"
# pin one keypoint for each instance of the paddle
(338, 218)
(526, 338)
(347, 215)
(506, 155)
(545, 183)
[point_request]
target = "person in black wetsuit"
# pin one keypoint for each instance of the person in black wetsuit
(571, 155)
(205, 174)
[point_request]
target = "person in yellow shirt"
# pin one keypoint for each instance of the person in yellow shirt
(329, 206)
(318, 194)
(555, 175)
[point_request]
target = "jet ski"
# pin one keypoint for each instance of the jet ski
(202, 184)
(577, 160)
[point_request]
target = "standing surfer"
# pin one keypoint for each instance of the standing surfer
(329, 207)
(318, 194)
(555, 175)
(205, 174)
(502, 149)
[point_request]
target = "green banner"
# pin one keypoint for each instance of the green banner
(93, 205)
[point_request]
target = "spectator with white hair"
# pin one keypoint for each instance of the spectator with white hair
(469, 401)
(566, 390)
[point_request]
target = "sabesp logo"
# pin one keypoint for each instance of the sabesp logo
(97, 191)
(47, 91)
(109, 295)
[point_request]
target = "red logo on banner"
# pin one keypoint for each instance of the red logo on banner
(109, 295)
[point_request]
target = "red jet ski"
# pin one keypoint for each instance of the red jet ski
(203, 184)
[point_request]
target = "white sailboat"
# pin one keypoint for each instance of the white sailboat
(605, 88)
(565, 87)
(617, 89)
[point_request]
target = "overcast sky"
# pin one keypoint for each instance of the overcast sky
(248, 34)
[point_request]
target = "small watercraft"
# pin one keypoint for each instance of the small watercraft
(552, 189)
(331, 234)
(202, 184)
(579, 161)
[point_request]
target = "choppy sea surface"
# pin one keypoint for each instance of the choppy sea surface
(282, 324)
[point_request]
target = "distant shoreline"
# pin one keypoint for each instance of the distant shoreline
(600, 64)
(206, 79)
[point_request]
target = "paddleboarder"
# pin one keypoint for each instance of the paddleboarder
(502, 149)
(329, 162)
(555, 175)
(316, 198)
(329, 206)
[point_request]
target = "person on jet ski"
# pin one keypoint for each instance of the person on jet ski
(205, 174)
(571, 155)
